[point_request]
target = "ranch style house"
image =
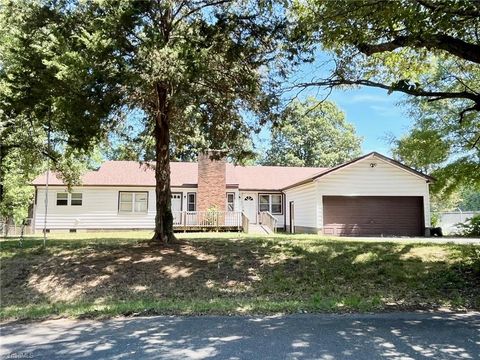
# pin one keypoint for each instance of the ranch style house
(372, 195)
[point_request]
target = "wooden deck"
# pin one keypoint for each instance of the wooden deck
(208, 221)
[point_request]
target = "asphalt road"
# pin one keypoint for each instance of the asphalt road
(376, 336)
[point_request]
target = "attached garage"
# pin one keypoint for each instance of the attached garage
(370, 196)
(373, 215)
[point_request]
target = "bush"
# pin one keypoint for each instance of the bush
(471, 227)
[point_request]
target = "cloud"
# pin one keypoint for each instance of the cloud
(363, 98)
(385, 110)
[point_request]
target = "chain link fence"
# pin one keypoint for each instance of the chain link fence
(11, 228)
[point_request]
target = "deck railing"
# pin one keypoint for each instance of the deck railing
(268, 220)
(207, 219)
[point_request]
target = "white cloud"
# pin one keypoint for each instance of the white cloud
(362, 98)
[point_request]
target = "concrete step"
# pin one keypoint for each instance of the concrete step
(259, 229)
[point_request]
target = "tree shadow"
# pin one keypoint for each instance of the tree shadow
(389, 336)
(319, 274)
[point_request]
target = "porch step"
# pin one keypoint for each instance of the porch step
(259, 229)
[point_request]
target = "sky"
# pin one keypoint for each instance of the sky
(375, 115)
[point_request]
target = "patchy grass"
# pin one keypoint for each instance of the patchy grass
(109, 274)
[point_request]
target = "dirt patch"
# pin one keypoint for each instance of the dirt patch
(183, 269)
(260, 273)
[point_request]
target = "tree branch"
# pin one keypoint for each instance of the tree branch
(444, 42)
(401, 86)
(198, 8)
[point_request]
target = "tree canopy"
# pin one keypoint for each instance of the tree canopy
(422, 48)
(192, 68)
(440, 145)
(312, 133)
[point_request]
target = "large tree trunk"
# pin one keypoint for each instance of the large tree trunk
(164, 217)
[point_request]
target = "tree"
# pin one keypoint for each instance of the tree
(440, 145)
(312, 133)
(424, 48)
(191, 67)
(470, 200)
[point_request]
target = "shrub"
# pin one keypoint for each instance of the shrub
(471, 227)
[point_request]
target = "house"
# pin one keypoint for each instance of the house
(372, 195)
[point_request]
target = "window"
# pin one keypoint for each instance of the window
(276, 202)
(264, 202)
(191, 202)
(133, 202)
(76, 199)
(62, 199)
(270, 202)
(230, 201)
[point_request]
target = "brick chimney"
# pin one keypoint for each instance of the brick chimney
(211, 181)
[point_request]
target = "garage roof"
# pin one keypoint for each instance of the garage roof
(373, 154)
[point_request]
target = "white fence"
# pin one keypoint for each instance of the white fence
(448, 220)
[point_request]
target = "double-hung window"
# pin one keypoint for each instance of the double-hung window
(191, 202)
(271, 203)
(230, 201)
(133, 202)
(76, 199)
(64, 197)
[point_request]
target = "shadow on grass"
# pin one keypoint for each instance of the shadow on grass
(234, 275)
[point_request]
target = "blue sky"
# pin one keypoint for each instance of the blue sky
(375, 115)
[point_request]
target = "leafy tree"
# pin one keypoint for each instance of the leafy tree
(470, 200)
(440, 145)
(191, 67)
(428, 49)
(40, 100)
(312, 133)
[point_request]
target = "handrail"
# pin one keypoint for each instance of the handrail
(267, 219)
(245, 222)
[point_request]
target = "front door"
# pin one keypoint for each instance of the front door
(250, 207)
(177, 208)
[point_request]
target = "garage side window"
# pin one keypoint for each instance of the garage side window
(133, 202)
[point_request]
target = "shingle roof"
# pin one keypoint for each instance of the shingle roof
(131, 173)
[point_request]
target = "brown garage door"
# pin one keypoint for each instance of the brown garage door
(373, 215)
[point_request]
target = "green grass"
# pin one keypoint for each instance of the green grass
(110, 274)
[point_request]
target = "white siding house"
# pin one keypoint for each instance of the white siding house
(371, 195)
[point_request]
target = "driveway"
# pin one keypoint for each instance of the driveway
(427, 240)
(305, 336)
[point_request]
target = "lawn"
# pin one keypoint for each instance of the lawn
(109, 274)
